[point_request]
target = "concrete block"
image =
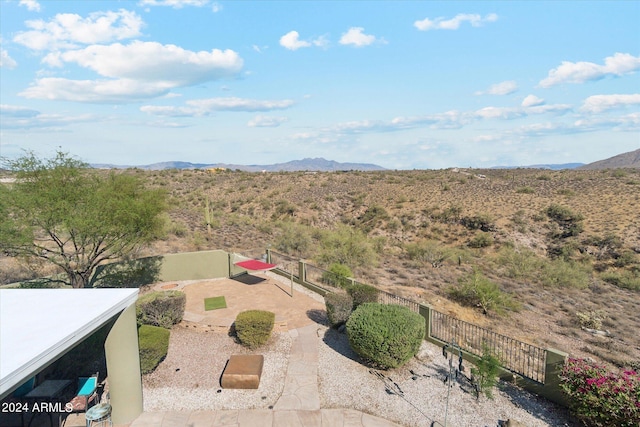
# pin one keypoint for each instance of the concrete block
(243, 371)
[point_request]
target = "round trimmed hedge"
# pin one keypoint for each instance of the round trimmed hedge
(385, 336)
(339, 307)
(161, 308)
(253, 327)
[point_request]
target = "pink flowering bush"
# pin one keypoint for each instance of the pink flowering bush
(600, 397)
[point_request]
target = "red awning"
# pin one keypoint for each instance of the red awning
(254, 264)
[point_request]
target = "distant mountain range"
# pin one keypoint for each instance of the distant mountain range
(624, 160)
(316, 165)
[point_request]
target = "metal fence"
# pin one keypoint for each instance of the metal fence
(285, 263)
(387, 298)
(514, 355)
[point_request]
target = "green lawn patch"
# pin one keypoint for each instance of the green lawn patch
(214, 303)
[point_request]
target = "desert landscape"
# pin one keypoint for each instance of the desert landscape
(562, 244)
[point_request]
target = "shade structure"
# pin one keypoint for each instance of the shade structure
(255, 265)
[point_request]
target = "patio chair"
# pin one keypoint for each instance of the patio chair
(86, 396)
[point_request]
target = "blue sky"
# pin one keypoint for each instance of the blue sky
(406, 85)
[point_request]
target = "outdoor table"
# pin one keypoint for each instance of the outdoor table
(99, 413)
(48, 391)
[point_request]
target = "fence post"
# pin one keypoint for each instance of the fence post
(302, 271)
(268, 256)
(554, 363)
(425, 311)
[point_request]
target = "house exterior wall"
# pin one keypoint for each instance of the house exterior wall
(123, 366)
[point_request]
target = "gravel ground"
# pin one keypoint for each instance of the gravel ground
(189, 377)
(415, 394)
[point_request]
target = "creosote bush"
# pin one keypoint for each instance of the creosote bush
(385, 336)
(154, 344)
(337, 275)
(339, 307)
(477, 290)
(163, 309)
(253, 327)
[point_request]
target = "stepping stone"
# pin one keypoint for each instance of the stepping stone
(243, 371)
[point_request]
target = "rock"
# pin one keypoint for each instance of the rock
(243, 372)
(511, 423)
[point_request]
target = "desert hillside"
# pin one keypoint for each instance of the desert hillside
(630, 159)
(563, 246)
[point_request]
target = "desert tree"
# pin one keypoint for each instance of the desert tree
(62, 212)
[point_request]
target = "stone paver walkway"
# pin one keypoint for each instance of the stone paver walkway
(261, 418)
(301, 383)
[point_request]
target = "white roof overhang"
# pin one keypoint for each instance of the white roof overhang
(38, 326)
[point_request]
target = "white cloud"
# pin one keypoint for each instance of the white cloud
(95, 91)
(266, 121)
(505, 113)
(18, 117)
(152, 61)
(454, 23)
(356, 37)
(139, 70)
(169, 111)
(600, 103)
(216, 7)
(502, 88)
(6, 61)
(204, 107)
(531, 101)
(580, 72)
(239, 104)
(31, 5)
(292, 41)
(17, 111)
(176, 4)
(69, 30)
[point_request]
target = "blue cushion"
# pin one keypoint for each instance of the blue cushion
(87, 386)
(25, 388)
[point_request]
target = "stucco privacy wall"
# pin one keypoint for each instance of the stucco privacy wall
(164, 268)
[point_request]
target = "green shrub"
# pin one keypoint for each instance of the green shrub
(337, 275)
(564, 274)
(339, 307)
(599, 397)
(163, 309)
(525, 190)
(362, 293)
(154, 344)
(519, 264)
(385, 336)
(371, 218)
(625, 280)
(347, 246)
(253, 327)
(481, 240)
(485, 373)
(570, 223)
(476, 290)
(427, 251)
(481, 222)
